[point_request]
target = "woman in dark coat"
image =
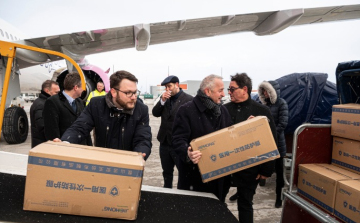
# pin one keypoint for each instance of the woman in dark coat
(269, 95)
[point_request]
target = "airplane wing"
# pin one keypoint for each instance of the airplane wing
(79, 44)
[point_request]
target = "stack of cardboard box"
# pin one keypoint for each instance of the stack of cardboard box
(336, 187)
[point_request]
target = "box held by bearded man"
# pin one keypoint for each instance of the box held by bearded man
(83, 180)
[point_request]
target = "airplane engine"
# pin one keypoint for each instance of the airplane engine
(92, 73)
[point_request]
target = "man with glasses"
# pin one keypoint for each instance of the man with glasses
(120, 121)
(166, 108)
(201, 116)
(61, 110)
(241, 108)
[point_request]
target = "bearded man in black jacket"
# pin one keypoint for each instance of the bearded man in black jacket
(48, 88)
(241, 108)
(166, 108)
(120, 120)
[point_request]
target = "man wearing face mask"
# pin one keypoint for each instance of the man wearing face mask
(201, 116)
(120, 121)
(166, 108)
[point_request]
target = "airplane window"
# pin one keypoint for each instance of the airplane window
(7, 35)
(2, 33)
(11, 37)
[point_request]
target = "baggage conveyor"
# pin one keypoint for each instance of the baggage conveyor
(156, 204)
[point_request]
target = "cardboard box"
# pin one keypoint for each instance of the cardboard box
(235, 148)
(346, 154)
(347, 205)
(83, 180)
(341, 170)
(345, 121)
(319, 184)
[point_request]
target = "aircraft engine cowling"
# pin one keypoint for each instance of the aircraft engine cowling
(92, 73)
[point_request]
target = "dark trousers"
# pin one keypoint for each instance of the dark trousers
(167, 158)
(279, 176)
(245, 204)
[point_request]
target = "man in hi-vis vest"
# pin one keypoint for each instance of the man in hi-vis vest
(99, 91)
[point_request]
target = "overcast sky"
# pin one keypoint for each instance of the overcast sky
(308, 48)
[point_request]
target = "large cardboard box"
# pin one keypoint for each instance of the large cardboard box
(347, 205)
(346, 154)
(235, 148)
(340, 170)
(82, 180)
(319, 184)
(345, 121)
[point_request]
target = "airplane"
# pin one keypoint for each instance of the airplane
(78, 45)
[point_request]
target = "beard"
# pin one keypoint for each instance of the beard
(125, 105)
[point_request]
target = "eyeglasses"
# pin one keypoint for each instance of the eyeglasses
(129, 94)
(233, 89)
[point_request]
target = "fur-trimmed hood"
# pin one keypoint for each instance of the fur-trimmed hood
(272, 88)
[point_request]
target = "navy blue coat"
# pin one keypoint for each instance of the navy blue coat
(279, 110)
(194, 120)
(113, 129)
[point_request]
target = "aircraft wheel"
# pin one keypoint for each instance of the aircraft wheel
(15, 125)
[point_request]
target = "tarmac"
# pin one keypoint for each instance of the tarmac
(264, 199)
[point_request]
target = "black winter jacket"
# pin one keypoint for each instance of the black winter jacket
(59, 116)
(193, 120)
(114, 128)
(37, 121)
(278, 108)
(168, 116)
(240, 112)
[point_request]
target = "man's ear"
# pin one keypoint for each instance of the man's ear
(207, 91)
(113, 92)
(245, 88)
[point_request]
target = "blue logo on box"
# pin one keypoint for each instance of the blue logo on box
(114, 191)
(213, 157)
(345, 204)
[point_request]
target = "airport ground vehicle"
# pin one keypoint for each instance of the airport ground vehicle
(312, 143)
(29, 98)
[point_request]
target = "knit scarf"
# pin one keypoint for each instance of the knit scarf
(209, 103)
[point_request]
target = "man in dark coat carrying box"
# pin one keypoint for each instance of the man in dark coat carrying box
(166, 108)
(241, 108)
(201, 116)
(120, 120)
